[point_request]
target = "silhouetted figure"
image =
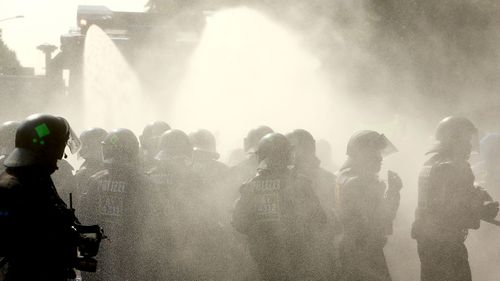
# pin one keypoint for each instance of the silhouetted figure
(279, 214)
(323, 183)
(366, 207)
(37, 241)
(449, 204)
(117, 200)
(190, 233)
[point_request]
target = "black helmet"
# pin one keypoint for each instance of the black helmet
(456, 130)
(204, 141)
(40, 140)
(174, 144)
(151, 134)
(253, 137)
(302, 139)
(92, 143)
(369, 141)
(120, 147)
(8, 137)
(274, 149)
(454, 127)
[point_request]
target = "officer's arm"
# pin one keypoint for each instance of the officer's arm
(390, 208)
(351, 209)
(242, 211)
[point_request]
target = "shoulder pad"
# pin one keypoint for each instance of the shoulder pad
(352, 181)
(443, 168)
(100, 175)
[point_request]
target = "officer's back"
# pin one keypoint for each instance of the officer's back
(116, 200)
(278, 212)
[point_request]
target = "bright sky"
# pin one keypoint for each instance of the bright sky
(45, 21)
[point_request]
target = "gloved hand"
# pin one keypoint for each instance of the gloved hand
(394, 182)
(489, 210)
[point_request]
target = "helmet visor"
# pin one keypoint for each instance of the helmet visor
(74, 144)
(387, 147)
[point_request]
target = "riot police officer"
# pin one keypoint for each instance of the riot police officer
(36, 237)
(449, 204)
(212, 172)
(279, 214)
(366, 207)
(91, 152)
(117, 199)
(186, 210)
(323, 183)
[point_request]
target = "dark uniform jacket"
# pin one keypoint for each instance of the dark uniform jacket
(367, 210)
(35, 237)
(279, 212)
(116, 201)
(323, 184)
(189, 228)
(448, 202)
(448, 206)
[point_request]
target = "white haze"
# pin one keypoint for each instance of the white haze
(250, 70)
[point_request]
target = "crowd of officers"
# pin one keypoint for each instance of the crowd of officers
(172, 211)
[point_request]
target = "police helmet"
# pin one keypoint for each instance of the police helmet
(204, 141)
(303, 140)
(120, 146)
(174, 144)
(40, 140)
(367, 141)
(454, 128)
(274, 149)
